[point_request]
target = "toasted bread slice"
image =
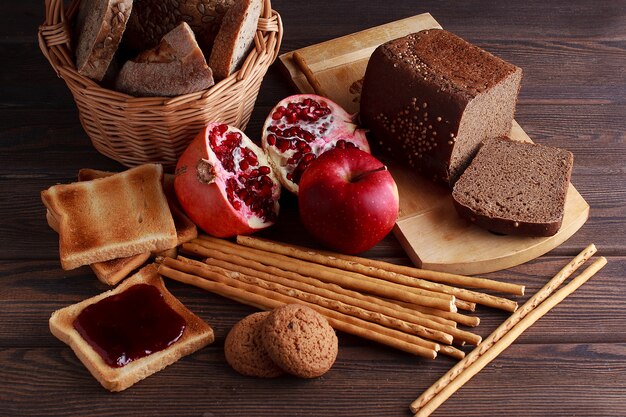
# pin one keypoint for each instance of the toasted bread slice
(235, 37)
(196, 335)
(114, 217)
(186, 230)
(113, 271)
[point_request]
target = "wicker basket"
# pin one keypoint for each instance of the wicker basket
(134, 130)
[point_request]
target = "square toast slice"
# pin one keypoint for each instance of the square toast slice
(114, 217)
(196, 335)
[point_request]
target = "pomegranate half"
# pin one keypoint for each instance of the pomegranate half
(225, 184)
(302, 127)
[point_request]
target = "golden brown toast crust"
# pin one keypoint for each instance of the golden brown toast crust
(114, 217)
(197, 335)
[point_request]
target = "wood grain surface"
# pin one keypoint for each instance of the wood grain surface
(571, 362)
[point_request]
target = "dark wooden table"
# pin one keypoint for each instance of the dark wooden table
(572, 362)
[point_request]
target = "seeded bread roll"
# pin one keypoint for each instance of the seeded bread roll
(235, 37)
(430, 98)
(152, 19)
(176, 66)
(100, 25)
(515, 188)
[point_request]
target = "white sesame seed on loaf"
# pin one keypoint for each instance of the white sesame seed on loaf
(430, 98)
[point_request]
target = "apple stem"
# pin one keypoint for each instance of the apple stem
(366, 173)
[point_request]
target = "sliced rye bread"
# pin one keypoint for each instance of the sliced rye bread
(100, 26)
(196, 335)
(430, 99)
(175, 67)
(516, 188)
(235, 37)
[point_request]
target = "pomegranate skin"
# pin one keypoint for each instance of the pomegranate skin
(200, 188)
(348, 200)
(302, 127)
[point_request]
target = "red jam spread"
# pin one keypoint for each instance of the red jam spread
(130, 325)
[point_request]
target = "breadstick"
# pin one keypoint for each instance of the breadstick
(378, 309)
(381, 313)
(471, 368)
(464, 297)
(535, 300)
(363, 265)
(465, 320)
(258, 297)
(310, 77)
(389, 307)
(371, 285)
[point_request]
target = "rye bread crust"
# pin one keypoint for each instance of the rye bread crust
(430, 98)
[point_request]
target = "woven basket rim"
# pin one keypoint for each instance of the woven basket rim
(55, 38)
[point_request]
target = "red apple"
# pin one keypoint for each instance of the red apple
(348, 200)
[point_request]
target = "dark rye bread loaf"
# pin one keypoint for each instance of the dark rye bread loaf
(516, 188)
(430, 98)
(152, 19)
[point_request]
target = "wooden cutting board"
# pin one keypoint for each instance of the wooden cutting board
(430, 231)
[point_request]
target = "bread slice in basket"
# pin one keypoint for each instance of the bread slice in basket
(196, 335)
(235, 37)
(174, 67)
(100, 26)
(114, 217)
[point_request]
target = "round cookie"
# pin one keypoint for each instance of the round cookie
(244, 349)
(300, 340)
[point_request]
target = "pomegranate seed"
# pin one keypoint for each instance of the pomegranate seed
(350, 145)
(341, 144)
(292, 117)
(271, 140)
(254, 173)
(244, 165)
(282, 144)
(265, 180)
(308, 157)
(290, 176)
(221, 129)
(264, 170)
